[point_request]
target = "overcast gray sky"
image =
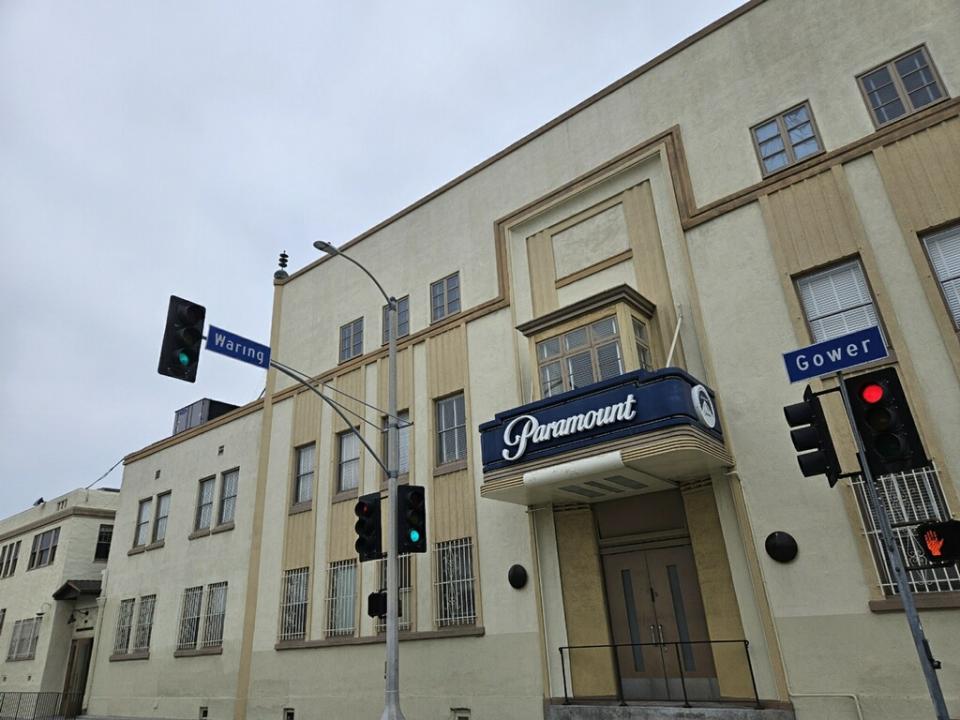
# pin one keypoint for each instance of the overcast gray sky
(158, 147)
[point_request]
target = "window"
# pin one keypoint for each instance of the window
(228, 496)
(213, 618)
(405, 583)
(160, 521)
(143, 523)
(642, 339)
(451, 430)
(44, 548)
(901, 86)
(303, 482)
(837, 301)
(454, 583)
(8, 559)
(23, 641)
(293, 605)
(403, 438)
(141, 637)
(3, 615)
(348, 472)
(579, 357)
(204, 504)
(943, 249)
(121, 639)
(216, 611)
(403, 319)
(104, 538)
(190, 618)
(445, 297)
(786, 139)
(341, 598)
(351, 340)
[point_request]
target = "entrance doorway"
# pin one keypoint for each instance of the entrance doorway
(76, 680)
(655, 607)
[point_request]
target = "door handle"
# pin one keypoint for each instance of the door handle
(660, 632)
(653, 633)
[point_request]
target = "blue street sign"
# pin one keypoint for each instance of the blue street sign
(239, 348)
(830, 356)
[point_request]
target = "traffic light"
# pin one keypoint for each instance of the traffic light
(369, 543)
(182, 335)
(882, 417)
(940, 541)
(411, 519)
(811, 438)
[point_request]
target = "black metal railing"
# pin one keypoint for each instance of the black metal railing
(39, 705)
(677, 667)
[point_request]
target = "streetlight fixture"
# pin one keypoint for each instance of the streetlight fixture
(391, 710)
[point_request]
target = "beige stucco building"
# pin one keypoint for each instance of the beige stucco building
(789, 174)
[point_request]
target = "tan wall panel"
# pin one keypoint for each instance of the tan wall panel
(298, 547)
(452, 509)
(591, 671)
(591, 238)
(351, 383)
(342, 535)
(543, 276)
(306, 418)
(404, 380)
(447, 362)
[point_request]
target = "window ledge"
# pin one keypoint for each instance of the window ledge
(450, 468)
(23, 659)
(924, 601)
(198, 534)
(345, 495)
(301, 507)
(199, 651)
(139, 655)
(223, 527)
(136, 550)
(154, 545)
(453, 632)
(443, 318)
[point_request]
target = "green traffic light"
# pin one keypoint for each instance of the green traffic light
(414, 535)
(183, 358)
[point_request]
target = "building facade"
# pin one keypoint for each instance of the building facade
(590, 374)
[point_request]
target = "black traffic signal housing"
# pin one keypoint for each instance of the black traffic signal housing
(811, 438)
(940, 541)
(883, 419)
(377, 604)
(369, 542)
(182, 336)
(411, 519)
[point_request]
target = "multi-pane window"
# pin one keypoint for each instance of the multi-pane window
(943, 249)
(579, 357)
(8, 559)
(837, 301)
(403, 319)
(142, 533)
(454, 583)
(104, 538)
(348, 466)
(451, 430)
(445, 297)
(403, 440)
(786, 139)
(341, 598)
(121, 639)
(405, 586)
(23, 640)
(44, 548)
(303, 480)
(293, 604)
(204, 515)
(213, 617)
(190, 618)
(144, 629)
(228, 496)
(901, 86)
(215, 614)
(642, 339)
(351, 339)
(160, 521)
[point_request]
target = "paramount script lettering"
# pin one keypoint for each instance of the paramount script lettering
(526, 429)
(222, 341)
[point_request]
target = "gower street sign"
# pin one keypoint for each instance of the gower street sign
(831, 356)
(629, 404)
(239, 348)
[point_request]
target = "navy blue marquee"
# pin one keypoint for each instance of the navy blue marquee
(630, 404)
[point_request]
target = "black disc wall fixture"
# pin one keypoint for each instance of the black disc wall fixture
(781, 546)
(517, 576)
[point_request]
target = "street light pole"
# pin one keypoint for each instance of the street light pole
(391, 709)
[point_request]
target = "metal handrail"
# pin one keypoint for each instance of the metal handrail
(39, 705)
(676, 645)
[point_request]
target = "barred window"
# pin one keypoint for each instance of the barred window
(901, 86)
(303, 481)
(160, 522)
(44, 548)
(204, 515)
(190, 618)
(348, 472)
(23, 640)
(293, 604)
(579, 357)
(451, 430)
(104, 538)
(445, 297)
(341, 598)
(943, 249)
(837, 301)
(141, 636)
(216, 612)
(454, 583)
(351, 340)
(121, 639)
(228, 496)
(405, 585)
(8, 559)
(403, 440)
(403, 319)
(786, 139)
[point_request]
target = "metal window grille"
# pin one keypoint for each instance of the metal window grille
(303, 485)
(141, 636)
(451, 430)
(454, 583)
(405, 583)
(160, 522)
(190, 618)
(121, 640)
(104, 538)
(216, 611)
(204, 504)
(143, 523)
(348, 476)
(228, 496)
(910, 497)
(293, 604)
(341, 598)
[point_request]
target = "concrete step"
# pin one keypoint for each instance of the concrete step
(663, 712)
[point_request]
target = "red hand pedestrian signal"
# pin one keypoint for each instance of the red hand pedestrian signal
(939, 541)
(933, 543)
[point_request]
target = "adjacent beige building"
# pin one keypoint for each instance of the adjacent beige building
(789, 174)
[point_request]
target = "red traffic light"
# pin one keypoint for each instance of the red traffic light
(363, 509)
(872, 393)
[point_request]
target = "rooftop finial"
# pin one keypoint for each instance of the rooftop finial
(282, 273)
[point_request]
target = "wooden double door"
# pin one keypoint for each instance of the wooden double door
(656, 610)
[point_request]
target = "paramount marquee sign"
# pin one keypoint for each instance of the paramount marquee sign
(630, 404)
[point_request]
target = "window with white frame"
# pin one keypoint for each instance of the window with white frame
(215, 614)
(144, 628)
(348, 461)
(204, 515)
(8, 558)
(121, 638)
(44, 549)
(403, 440)
(293, 604)
(580, 357)
(837, 301)
(142, 532)
(160, 521)
(211, 610)
(189, 631)
(455, 602)
(445, 297)
(228, 496)
(943, 249)
(405, 595)
(351, 340)
(341, 598)
(451, 430)
(23, 640)
(403, 319)
(303, 480)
